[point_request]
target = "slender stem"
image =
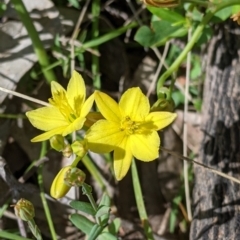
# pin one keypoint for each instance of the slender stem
(140, 203)
(88, 191)
(95, 33)
(36, 42)
(42, 195)
(34, 229)
(194, 39)
(76, 161)
(185, 133)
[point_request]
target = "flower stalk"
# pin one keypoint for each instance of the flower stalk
(36, 41)
(140, 203)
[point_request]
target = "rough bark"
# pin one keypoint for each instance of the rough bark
(216, 200)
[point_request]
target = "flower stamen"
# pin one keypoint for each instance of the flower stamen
(130, 127)
(60, 101)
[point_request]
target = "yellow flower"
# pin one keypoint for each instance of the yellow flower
(129, 129)
(67, 110)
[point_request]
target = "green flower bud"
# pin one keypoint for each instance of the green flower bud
(59, 188)
(74, 177)
(24, 210)
(67, 151)
(79, 148)
(57, 142)
(164, 102)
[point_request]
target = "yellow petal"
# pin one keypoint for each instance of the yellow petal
(74, 126)
(103, 136)
(145, 147)
(47, 135)
(59, 188)
(134, 104)
(107, 106)
(56, 87)
(159, 120)
(76, 91)
(122, 159)
(46, 118)
(87, 106)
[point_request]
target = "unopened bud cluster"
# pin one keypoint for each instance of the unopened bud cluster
(24, 210)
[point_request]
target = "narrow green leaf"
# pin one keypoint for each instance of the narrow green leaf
(114, 226)
(167, 14)
(106, 236)
(105, 201)
(95, 231)
(102, 210)
(82, 223)
(83, 207)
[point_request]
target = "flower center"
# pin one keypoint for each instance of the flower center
(129, 126)
(60, 101)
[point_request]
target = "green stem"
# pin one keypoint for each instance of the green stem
(42, 194)
(140, 203)
(95, 33)
(87, 190)
(194, 39)
(36, 42)
(76, 161)
(34, 229)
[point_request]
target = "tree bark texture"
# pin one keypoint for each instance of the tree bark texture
(216, 201)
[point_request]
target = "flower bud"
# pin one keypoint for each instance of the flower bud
(67, 151)
(57, 142)
(59, 188)
(162, 3)
(24, 210)
(79, 148)
(236, 17)
(164, 102)
(74, 177)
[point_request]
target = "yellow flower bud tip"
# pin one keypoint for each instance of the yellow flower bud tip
(79, 148)
(74, 177)
(67, 151)
(24, 209)
(236, 17)
(57, 142)
(59, 189)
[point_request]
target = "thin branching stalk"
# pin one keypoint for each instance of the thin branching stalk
(95, 33)
(140, 203)
(197, 33)
(42, 194)
(185, 132)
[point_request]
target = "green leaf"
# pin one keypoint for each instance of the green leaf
(106, 236)
(161, 32)
(178, 98)
(206, 36)
(95, 231)
(105, 200)
(223, 14)
(83, 207)
(82, 223)
(114, 226)
(235, 9)
(103, 213)
(74, 3)
(167, 14)
(102, 210)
